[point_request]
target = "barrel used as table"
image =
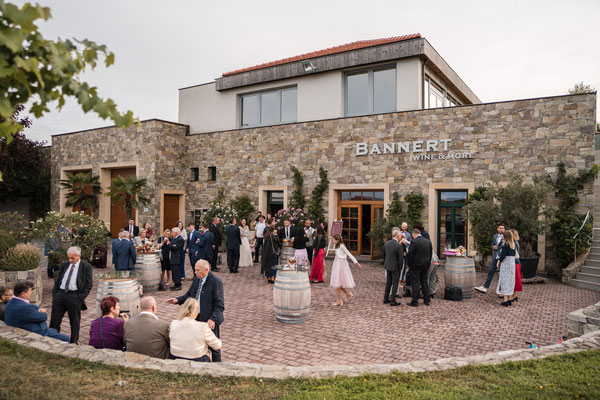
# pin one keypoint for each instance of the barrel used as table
(291, 296)
(286, 253)
(460, 273)
(124, 289)
(149, 265)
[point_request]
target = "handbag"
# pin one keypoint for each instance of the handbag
(453, 294)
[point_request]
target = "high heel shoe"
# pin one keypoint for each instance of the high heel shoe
(338, 303)
(504, 303)
(349, 296)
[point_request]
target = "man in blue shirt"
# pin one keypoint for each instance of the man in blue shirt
(496, 241)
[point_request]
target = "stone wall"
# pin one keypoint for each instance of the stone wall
(584, 321)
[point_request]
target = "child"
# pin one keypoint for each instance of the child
(341, 276)
(5, 295)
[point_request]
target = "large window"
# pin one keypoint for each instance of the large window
(371, 91)
(436, 96)
(269, 108)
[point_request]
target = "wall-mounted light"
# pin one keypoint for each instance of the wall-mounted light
(308, 66)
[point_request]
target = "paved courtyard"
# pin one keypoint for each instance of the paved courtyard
(367, 331)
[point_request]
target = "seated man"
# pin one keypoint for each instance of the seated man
(21, 314)
(145, 333)
(5, 295)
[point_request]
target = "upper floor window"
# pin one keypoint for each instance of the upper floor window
(371, 91)
(436, 96)
(269, 108)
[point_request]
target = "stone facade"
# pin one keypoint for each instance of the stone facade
(529, 137)
(584, 321)
(10, 278)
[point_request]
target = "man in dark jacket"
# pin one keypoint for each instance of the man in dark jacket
(419, 259)
(123, 253)
(214, 229)
(208, 290)
(205, 245)
(234, 240)
(175, 245)
(193, 240)
(392, 260)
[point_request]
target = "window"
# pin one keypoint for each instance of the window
(212, 173)
(371, 91)
(364, 196)
(269, 108)
(436, 96)
(195, 174)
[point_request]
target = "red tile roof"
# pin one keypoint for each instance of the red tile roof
(332, 50)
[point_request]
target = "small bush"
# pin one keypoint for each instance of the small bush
(7, 241)
(22, 257)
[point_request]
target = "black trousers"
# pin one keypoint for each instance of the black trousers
(193, 262)
(176, 274)
(213, 260)
(66, 302)
(216, 354)
(418, 283)
(309, 251)
(257, 247)
(233, 259)
(393, 278)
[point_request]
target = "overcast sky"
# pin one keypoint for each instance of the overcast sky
(503, 50)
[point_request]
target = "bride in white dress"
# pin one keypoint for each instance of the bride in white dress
(245, 251)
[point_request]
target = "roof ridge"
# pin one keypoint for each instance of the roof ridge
(359, 44)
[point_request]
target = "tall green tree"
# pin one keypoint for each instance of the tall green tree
(41, 71)
(298, 200)
(83, 190)
(128, 191)
(315, 206)
(243, 207)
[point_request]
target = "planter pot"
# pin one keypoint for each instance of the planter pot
(529, 267)
(9, 278)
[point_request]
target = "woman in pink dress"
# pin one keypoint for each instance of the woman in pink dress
(341, 276)
(316, 275)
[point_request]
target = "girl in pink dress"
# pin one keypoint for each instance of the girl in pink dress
(341, 276)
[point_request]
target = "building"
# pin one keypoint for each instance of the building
(380, 116)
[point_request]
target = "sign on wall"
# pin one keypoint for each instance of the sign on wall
(430, 149)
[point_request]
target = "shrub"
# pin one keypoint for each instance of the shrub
(219, 209)
(315, 206)
(243, 207)
(295, 215)
(16, 224)
(22, 257)
(7, 241)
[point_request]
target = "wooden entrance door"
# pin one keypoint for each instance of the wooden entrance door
(118, 219)
(351, 229)
(170, 210)
(376, 215)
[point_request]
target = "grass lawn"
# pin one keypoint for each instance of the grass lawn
(32, 374)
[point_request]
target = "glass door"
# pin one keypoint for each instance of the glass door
(452, 220)
(351, 228)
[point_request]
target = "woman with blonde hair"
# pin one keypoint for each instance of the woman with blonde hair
(190, 338)
(506, 263)
(518, 273)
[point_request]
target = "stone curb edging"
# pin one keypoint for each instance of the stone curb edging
(240, 369)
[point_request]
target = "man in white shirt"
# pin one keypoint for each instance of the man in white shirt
(310, 232)
(259, 229)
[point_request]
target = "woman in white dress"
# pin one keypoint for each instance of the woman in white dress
(341, 276)
(245, 251)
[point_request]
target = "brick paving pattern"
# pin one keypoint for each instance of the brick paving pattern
(365, 331)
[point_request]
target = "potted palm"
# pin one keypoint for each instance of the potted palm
(82, 191)
(128, 191)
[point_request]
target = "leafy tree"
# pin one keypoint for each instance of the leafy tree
(83, 190)
(218, 208)
(42, 71)
(25, 167)
(243, 207)
(581, 88)
(298, 200)
(484, 215)
(315, 206)
(128, 191)
(395, 216)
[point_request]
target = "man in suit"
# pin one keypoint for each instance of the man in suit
(21, 314)
(260, 235)
(175, 245)
(132, 228)
(496, 241)
(214, 229)
(192, 244)
(123, 253)
(208, 290)
(310, 234)
(234, 241)
(392, 260)
(145, 333)
(288, 231)
(206, 244)
(70, 291)
(419, 259)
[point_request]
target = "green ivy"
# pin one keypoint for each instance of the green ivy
(315, 206)
(298, 200)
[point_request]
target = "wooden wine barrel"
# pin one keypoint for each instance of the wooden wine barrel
(149, 265)
(291, 297)
(124, 289)
(460, 272)
(286, 253)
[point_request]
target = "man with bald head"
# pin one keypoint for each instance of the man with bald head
(145, 333)
(208, 290)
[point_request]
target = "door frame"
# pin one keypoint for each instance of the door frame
(357, 205)
(453, 206)
(181, 194)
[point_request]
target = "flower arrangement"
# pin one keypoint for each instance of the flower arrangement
(146, 248)
(292, 261)
(296, 216)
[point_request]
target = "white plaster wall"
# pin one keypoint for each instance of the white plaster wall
(408, 84)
